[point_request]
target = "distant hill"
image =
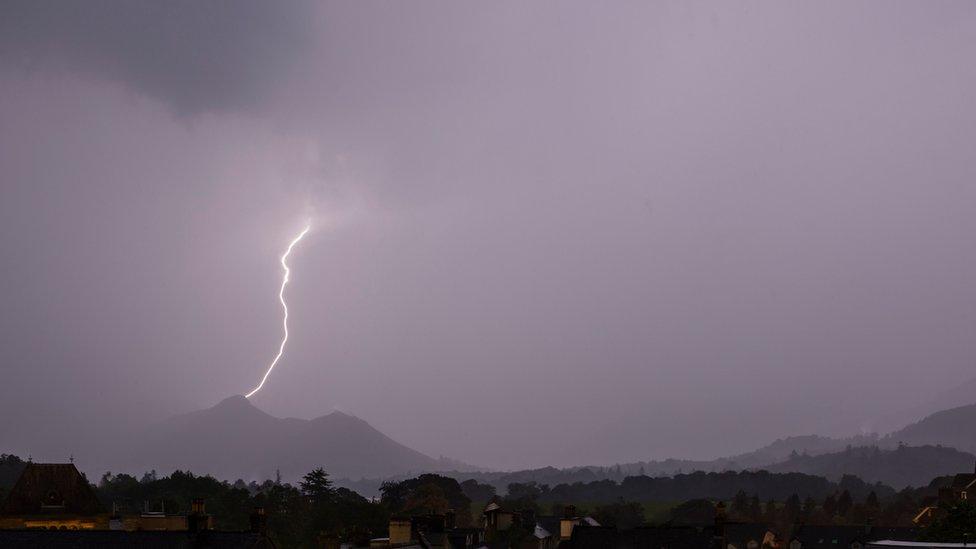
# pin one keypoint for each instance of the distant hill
(775, 452)
(235, 439)
(901, 467)
(781, 449)
(955, 427)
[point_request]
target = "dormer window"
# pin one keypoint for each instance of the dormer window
(52, 500)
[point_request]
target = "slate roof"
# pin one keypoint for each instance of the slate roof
(51, 487)
(118, 539)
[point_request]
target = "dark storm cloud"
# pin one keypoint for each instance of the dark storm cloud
(195, 56)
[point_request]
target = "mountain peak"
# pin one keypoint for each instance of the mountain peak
(236, 439)
(235, 401)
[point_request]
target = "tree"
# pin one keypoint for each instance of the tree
(830, 506)
(478, 492)
(427, 493)
(792, 507)
(526, 490)
(755, 509)
(427, 499)
(844, 503)
(694, 511)
(900, 510)
(872, 501)
(621, 515)
(317, 486)
(809, 507)
(740, 505)
(526, 495)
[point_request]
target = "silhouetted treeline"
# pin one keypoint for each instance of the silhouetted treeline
(10, 468)
(310, 514)
(316, 512)
(717, 486)
(900, 467)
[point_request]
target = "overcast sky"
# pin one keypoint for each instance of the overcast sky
(543, 233)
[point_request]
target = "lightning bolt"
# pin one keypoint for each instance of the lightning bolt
(281, 298)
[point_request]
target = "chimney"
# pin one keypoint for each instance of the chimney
(720, 520)
(197, 520)
(259, 521)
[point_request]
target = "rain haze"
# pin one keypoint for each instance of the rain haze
(541, 233)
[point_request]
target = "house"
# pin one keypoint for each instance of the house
(541, 538)
(53, 496)
(52, 505)
(430, 531)
(495, 519)
(962, 488)
(544, 532)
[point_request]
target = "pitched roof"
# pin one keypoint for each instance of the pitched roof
(963, 480)
(51, 487)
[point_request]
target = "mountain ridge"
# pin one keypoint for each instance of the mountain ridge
(236, 439)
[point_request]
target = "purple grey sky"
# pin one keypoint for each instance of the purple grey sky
(544, 233)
